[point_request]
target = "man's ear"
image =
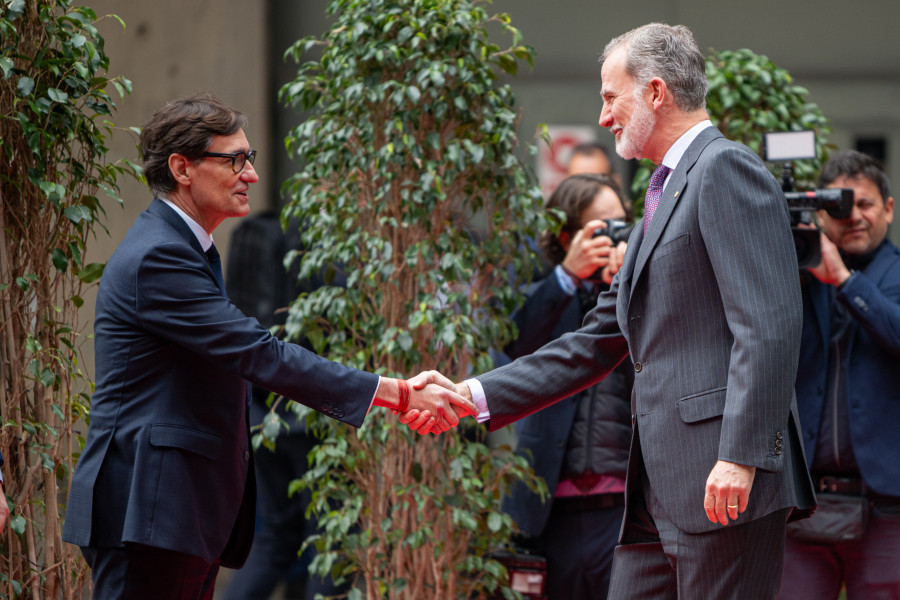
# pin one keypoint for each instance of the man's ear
(179, 167)
(659, 92)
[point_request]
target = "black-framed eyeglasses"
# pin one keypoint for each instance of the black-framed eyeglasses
(238, 159)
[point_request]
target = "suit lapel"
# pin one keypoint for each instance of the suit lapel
(670, 197)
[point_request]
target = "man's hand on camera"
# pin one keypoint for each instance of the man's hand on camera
(616, 258)
(831, 269)
(587, 253)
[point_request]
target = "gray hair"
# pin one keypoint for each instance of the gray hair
(668, 52)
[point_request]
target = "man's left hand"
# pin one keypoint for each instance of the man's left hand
(728, 491)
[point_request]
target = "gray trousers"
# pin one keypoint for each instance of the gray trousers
(658, 561)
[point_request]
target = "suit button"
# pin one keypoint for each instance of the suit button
(246, 455)
(778, 444)
(777, 451)
(637, 367)
(778, 435)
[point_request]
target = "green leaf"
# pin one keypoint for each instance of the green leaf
(25, 86)
(78, 213)
(17, 524)
(6, 64)
(60, 261)
(271, 425)
(15, 8)
(404, 338)
(91, 272)
(495, 522)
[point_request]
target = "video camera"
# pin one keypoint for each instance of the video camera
(798, 145)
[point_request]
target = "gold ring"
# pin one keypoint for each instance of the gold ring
(729, 506)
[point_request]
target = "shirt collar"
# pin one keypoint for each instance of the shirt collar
(673, 156)
(205, 239)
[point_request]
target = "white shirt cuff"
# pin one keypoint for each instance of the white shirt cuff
(484, 414)
(372, 401)
(568, 285)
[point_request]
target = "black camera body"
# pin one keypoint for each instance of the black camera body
(616, 230)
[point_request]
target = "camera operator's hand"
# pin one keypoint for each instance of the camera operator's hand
(586, 253)
(616, 258)
(831, 269)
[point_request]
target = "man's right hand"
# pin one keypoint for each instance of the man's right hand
(423, 421)
(586, 253)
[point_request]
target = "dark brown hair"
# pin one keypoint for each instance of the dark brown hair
(185, 126)
(574, 194)
(850, 164)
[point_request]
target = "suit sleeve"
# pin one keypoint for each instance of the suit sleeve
(877, 311)
(559, 369)
(539, 316)
(745, 226)
(179, 301)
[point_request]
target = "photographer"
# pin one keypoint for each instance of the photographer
(848, 392)
(579, 445)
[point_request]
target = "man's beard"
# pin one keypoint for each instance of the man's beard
(635, 135)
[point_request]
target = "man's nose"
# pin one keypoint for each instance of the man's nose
(249, 174)
(605, 117)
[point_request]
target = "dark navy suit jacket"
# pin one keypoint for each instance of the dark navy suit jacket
(873, 382)
(167, 461)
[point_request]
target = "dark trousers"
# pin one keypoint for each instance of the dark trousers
(869, 567)
(578, 543)
(658, 561)
(281, 526)
(138, 572)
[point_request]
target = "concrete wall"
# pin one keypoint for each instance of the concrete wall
(170, 49)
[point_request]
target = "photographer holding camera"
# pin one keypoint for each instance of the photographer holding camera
(579, 445)
(848, 392)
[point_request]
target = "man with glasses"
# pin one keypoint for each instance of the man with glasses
(164, 491)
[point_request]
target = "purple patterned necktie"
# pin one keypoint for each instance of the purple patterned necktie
(654, 192)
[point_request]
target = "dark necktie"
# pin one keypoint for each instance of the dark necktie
(654, 193)
(216, 263)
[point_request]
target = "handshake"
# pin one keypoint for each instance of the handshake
(428, 402)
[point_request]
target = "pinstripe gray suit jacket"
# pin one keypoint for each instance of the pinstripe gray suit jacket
(708, 304)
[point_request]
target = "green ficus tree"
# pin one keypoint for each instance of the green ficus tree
(55, 112)
(750, 95)
(413, 202)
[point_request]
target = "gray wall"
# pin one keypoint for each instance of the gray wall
(846, 54)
